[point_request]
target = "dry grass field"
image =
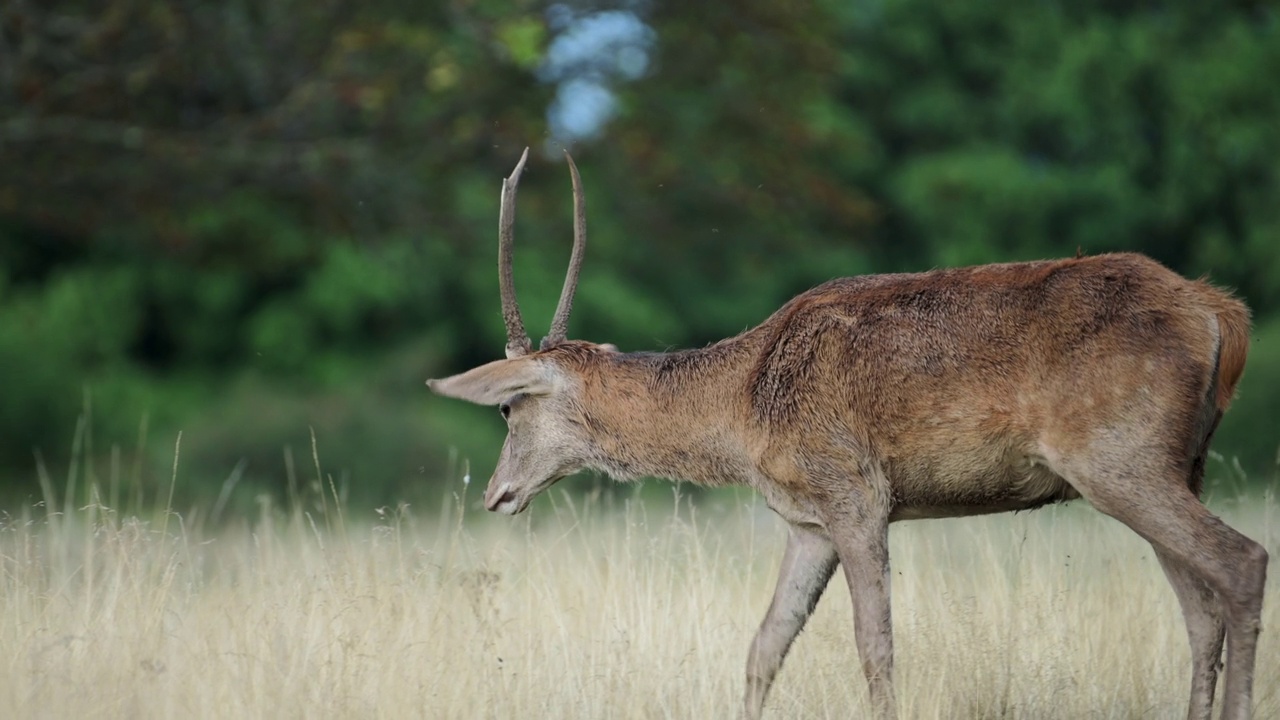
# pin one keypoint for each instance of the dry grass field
(605, 609)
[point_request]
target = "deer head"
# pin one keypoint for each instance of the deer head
(536, 394)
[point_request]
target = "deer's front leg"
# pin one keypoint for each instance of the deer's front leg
(863, 548)
(807, 565)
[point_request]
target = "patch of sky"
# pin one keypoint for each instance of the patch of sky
(591, 52)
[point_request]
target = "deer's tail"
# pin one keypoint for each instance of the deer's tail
(1233, 343)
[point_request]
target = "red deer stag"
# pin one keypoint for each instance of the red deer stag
(872, 399)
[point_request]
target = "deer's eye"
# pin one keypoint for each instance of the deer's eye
(505, 409)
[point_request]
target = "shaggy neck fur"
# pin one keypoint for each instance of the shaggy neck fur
(671, 415)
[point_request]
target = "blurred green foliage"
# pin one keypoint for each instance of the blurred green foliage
(252, 220)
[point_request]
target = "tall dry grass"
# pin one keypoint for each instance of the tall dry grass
(599, 610)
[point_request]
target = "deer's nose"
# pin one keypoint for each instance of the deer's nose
(497, 496)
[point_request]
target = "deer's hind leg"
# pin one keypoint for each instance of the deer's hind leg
(1206, 630)
(1143, 485)
(1201, 608)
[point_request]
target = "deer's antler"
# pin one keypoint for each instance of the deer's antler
(560, 323)
(517, 339)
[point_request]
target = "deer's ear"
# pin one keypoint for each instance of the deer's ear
(497, 381)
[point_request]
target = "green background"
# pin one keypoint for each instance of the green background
(252, 219)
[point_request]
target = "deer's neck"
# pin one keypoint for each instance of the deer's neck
(674, 415)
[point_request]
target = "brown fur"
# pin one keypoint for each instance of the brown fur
(1233, 320)
(953, 392)
(942, 376)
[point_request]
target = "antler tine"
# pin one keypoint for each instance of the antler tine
(517, 339)
(560, 323)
